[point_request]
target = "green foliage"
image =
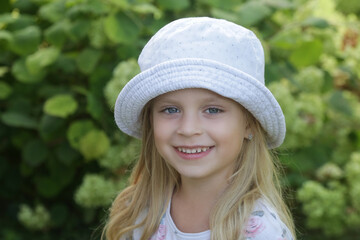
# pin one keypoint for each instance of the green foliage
(327, 204)
(25, 41)
(119, 156)
(324, 206)
(310, 79)
(94, 144)
(17, 119)
(120, 28)
(34, 219)
(352, 172)
(5, 90)
(63, 63)
(34, 153)
(60, 106)
(23, 74)
(95, 191)
(87, 60)
(173, 4)
(42, 58)
(121, 75)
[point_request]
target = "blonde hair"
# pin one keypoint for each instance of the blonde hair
(153, 181)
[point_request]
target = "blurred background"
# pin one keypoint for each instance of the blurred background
(63, 62)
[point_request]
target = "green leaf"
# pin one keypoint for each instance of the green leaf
(5, 90)
(122, 4)
(173, 4)
(94, 144)
(22, 74)
(92, 8)
(121, 29)
(61, 105)
(6, 18)
(287, 39)
(78, 29)
(5, 38)
(51, 127)
(224, 14)
(347, 7)
(53, 11)
(41, 59)
(56, 34)
(34, 153)
(17, 119)
(87, 60)
(279, 4)
(227, 5)
(94, 106)
(338, 102)
(3, 71)
(66, 63)
(307, 53)
(146, 8)
(77, 130)
(315, 22)
(26, 41)
(252, 12)
(22, 21)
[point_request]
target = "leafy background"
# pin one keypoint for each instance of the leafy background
(63, 62)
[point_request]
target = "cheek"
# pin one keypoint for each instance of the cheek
(163, 130)
(158, 134)
(229, 132)
(230, 137)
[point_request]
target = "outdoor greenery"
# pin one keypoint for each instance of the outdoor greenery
(63, 62)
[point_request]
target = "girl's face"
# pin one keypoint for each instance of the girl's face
(199, 132)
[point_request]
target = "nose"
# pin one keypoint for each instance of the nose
(189, 125)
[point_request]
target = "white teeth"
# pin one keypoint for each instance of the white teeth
(193, 150)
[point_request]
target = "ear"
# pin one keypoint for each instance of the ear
(248, 132)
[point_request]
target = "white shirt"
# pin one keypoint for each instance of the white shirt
(263, 224)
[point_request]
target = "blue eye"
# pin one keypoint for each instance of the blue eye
(213, 110)
(171, 110)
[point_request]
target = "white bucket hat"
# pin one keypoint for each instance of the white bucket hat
(207, 53)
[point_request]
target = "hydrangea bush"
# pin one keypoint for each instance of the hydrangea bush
(63, 62)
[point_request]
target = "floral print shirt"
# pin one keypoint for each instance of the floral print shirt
(263, 224)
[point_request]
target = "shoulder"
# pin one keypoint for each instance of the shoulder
(265, 224)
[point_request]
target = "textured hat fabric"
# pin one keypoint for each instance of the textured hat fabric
(208, 53)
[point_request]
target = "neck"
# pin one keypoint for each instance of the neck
(193, 202)
(200, 190)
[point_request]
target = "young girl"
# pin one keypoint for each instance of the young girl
(206, 121)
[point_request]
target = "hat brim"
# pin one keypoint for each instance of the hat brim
(199, 73)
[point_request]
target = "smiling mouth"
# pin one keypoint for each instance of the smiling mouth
(193, 150)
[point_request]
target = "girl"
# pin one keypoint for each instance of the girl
(206, 121)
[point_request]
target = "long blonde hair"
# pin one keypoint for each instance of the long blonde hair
(153, 181)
